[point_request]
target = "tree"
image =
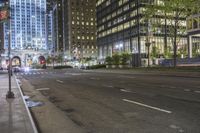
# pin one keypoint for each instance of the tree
(59, 58)
(175, 12)
(49, 60)
(154, 52)
(109, 60)
(125, 57)
(116, 59)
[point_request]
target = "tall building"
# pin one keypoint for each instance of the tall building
(49, 26)
(1, 38)
(121, 27)
(75, 28)
(193, 29)
(28, 33)
(58, 24)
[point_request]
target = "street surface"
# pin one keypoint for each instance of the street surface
(101, 102)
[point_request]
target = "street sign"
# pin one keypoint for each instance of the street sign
(4, 14)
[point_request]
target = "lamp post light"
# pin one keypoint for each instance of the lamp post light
(119, 47)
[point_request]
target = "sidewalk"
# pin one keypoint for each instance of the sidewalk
(14, 115)
(151, 72)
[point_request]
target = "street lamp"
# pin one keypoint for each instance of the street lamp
(119, 47)
(9, 94)
(148, 44)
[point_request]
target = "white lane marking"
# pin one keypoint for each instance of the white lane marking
(123, 90)
(197, 91)
(177, 128)
(43, 89)
(144, 105)
(187, 90)
(59, 81)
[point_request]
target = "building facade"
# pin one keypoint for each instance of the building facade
(193, 29)
(49, 26)
(121, 27)
(75, 28)
(28, 30)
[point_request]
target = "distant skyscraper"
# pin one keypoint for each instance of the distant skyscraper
(1, 38)
(75, 28)
(28, 31)
(49, 25)
(27, 25)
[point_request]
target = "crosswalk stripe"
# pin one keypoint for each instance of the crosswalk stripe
(35, 73)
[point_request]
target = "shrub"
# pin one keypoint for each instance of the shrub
(97, 66)
(116, 59)
(125, 57)
(109, 60)
(62, 67)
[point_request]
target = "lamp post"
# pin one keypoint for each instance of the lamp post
(9, 94)
(148, 44)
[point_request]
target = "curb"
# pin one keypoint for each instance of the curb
(28, 111)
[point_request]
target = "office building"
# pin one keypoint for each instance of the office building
(121, 27)
(193, 29)
(75, 28)
(28, 33)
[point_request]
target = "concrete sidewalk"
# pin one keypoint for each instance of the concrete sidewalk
(153, 72)
(14, 114)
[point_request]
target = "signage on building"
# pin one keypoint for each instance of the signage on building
(4, 14)
(4, 10)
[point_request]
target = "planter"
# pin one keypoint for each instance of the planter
(115, 66)
(108, 66)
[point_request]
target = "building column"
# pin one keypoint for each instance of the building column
(190, 46)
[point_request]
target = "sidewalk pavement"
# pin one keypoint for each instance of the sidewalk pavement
(14, 114)
(151, 72)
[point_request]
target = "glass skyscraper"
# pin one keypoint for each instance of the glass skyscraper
(27, 25)
(121, 27)
(28, 38)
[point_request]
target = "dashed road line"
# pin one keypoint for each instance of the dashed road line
(197, 91)
(187, 90)
(43, 89)
(147, 106)
(59, 81)
(124, 90)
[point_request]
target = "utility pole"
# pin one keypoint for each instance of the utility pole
(10, 94)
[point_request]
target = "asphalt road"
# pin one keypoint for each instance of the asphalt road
(122, 103)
